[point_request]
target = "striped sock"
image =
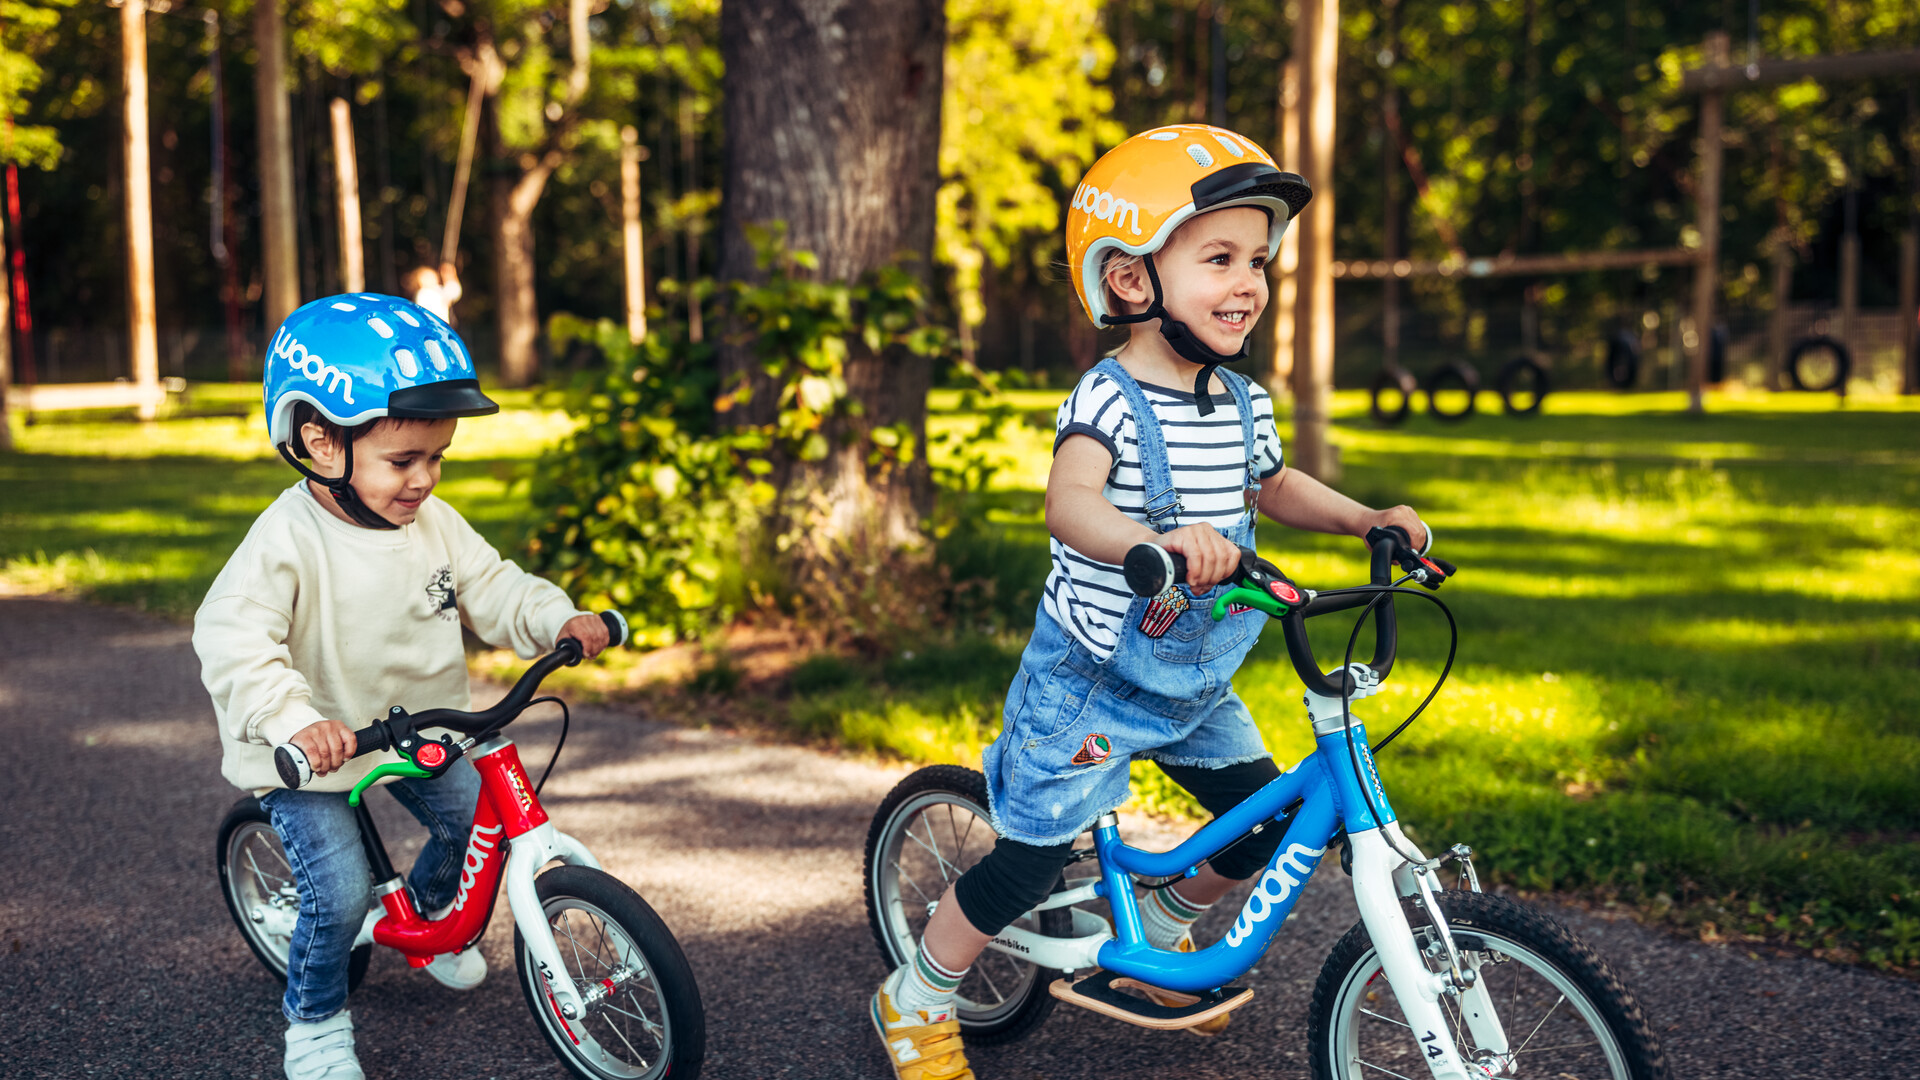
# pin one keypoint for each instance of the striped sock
(1167, 916)
(924, 985)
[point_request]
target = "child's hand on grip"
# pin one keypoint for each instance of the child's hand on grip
(589, 631)
(1210, 556)
(328, 745)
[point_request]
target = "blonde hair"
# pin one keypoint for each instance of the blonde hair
(1115, 259)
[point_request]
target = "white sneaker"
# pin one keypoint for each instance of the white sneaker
(323, 1050)
(457, 971)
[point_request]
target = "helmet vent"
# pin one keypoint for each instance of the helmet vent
(408, 365)
(1164, 136)
(379, 326)
(1228, 142)
(1199, 155)
(406, 318)
(434, 354)
(339, 305)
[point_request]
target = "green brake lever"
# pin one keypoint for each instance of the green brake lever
(1253, 598)
(391, 768)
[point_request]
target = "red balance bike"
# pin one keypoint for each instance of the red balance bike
(605, 978)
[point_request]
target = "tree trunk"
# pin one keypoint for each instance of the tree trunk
(143, 344)
(346, 175)
(1316, 41)
(279, 248)
(833, 107)
(6, 349)
(512, 199)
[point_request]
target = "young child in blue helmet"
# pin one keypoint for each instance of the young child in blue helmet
(347, 597)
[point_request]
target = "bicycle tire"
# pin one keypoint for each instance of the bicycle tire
(1490, 926)
(1842, 364)
(242, 887)
(1387, 380)
(664, 972)
(1510, 386)
(1623, 359)
(1015, 1015)
(1452, 371)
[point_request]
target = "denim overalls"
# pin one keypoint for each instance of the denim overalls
(1073, 721)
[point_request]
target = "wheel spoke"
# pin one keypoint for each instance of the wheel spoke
(1536, 1027)
(988, 976)
(1388, 1019)
(926, 845)
(1379, 1068)
(911, 883)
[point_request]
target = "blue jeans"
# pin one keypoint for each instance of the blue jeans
(322, 838)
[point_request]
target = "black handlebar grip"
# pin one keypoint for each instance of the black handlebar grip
(291, 764)
(617, 632)
(1150, 568)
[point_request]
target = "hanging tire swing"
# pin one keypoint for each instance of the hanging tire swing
(1523, 385)
(1448, 376)
(1807, 347)
(1385, 385)
(1623, 359)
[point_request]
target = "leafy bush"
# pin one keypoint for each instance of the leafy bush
(652, 507)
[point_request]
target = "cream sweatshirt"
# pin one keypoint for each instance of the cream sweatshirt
(314, 618)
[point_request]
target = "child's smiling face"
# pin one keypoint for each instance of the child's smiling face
(1213, 275)
(395, 466)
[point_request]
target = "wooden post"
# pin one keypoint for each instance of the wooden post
(1316, 41)
(142, 337)
(6, 349)
(630, 155)
(279, 239)
(1281, 275)
(1910, 256)
(346, 172)
(1705, 274)
(1782, 298)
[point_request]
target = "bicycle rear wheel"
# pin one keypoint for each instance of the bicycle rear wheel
(928, 831)
(1564, 1011)
(257, 884)
(649, 1023)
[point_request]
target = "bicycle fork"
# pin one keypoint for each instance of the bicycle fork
(1381, 877)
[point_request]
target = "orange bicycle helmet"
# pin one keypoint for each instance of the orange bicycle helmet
(1139, 192)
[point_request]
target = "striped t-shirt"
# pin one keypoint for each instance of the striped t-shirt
(1090, 598)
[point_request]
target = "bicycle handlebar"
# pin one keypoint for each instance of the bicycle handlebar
(296, 771)
(1150, 569)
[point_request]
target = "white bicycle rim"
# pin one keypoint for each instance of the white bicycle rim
(616, 1023)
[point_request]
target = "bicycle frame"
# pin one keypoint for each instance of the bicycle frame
(1331, 799)
(508, 810)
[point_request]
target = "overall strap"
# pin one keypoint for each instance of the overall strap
(1161, 501)
(1243, 401)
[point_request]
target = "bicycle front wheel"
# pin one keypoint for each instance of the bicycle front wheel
(1563, 1010)
(648, 1023)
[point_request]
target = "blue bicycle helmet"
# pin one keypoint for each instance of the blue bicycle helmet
(358, 357)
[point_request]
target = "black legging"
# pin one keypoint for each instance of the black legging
(1013, 877)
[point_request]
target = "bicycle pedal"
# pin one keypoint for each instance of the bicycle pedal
(1102, 992)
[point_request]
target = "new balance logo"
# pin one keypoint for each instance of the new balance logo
(1107, 206)
(287, 347)
(903, 1050)
(1275, 888)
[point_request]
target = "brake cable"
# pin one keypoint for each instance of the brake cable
(566, 720)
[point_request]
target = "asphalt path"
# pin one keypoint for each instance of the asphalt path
(117, 958)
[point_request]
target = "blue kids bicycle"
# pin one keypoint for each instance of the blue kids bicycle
(1464, 984)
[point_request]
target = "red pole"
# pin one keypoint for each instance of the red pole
(22, 310)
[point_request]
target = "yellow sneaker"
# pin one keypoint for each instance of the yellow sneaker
(919, 1050)
(1168, 998)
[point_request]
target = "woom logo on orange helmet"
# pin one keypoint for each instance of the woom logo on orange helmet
(1107, 206)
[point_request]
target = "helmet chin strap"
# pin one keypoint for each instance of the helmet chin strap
(343, 494)
(1183, 340)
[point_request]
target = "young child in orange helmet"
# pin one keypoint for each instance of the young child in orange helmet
(1168, 234)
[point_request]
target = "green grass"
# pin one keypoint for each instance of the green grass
(1689, 671)
(147, 514)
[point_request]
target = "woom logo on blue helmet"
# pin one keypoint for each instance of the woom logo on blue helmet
(1107, 206)
(317, 370)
